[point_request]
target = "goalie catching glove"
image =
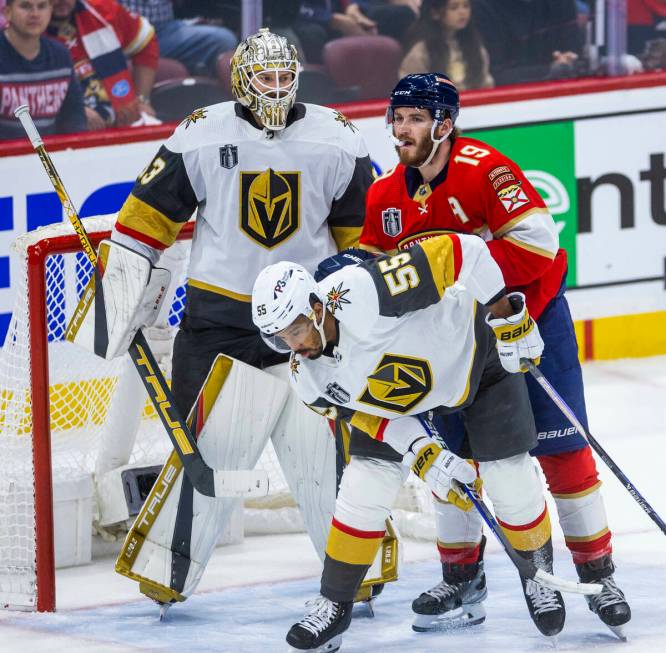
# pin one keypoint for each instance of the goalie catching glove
(517, 335)
(440, 469)
(130, 297)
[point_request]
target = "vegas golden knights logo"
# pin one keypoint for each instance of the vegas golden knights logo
(270, 205)
(398, 383)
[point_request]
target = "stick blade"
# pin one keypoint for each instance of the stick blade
(561, 585)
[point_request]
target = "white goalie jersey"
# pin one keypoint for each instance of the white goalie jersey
(259, 197)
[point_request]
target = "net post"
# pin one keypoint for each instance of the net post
(41, 430)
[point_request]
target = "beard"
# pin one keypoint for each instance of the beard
(311, 354)
(414, 158)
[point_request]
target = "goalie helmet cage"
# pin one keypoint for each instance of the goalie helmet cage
(55, 404)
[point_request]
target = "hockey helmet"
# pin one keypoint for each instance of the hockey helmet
(259, 53)
(432, 91)
(280, 295)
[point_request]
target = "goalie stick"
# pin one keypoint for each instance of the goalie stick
(526, 568)
(601, 452)
(206, 480)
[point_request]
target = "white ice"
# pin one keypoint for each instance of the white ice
(252, 593)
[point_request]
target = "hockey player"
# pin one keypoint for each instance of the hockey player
(443, 183)
(381, 342)
(267, 178)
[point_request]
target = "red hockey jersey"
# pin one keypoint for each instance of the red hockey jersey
(480, 191)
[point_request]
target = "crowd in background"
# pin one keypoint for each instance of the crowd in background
(94, 64)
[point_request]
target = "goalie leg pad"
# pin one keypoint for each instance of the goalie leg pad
(123, 295)
(174, 535)
(305, 449)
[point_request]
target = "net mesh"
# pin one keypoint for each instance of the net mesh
(81, 390)
(85, 420)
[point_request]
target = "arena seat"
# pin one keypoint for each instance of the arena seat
(174, 99)
(368, 62)
(170, 69)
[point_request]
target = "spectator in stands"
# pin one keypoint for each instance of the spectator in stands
(38, 72)
(529, 40)
(646, 20)
(445, 39)
(314, 22)
(100, 34)
(196, 46)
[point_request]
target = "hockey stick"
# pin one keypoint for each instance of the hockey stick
(526, 568)
(206, 480)
(571, 416)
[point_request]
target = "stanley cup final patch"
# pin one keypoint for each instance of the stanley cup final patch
(229, 156)
(392, 222)
(512, 197)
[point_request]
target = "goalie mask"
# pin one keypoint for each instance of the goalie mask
(283, 292)
(264, 77)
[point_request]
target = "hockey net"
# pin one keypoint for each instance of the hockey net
(67, 414)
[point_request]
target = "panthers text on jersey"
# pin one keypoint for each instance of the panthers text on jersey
(406, 332)
(259, 197)
(479, 191)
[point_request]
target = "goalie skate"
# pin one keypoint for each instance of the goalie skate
(451, 605)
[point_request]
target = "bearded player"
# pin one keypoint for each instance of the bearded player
(449, 183)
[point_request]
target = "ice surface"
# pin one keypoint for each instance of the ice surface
(251, 594)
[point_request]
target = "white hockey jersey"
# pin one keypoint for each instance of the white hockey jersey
(406, 330)
(260, 197)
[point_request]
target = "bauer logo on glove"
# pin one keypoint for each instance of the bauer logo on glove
(517, 335)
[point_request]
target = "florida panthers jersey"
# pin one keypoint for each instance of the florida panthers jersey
(406, 330)
(479, 191)
(259, 197)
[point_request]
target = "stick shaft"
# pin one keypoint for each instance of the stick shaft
(601, 452)
(200, 474)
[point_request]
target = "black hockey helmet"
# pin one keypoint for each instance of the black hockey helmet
(432, 91)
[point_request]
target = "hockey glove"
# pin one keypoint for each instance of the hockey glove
(517, 335)
(439, 469)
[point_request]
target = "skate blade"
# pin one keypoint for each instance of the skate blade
(554, 640)
(468, 615)
(163, 611)
(331, 646)
(364, 610)
(618, 631)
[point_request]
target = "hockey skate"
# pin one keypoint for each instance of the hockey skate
(610, 605)
(320, 630)
(456, 602)
(546, 606)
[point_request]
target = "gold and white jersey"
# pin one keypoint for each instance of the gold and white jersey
(406, 330)
(259, 196)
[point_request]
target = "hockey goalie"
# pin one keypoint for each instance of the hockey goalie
(266, 179)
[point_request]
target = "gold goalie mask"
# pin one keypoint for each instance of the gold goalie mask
(264, 77)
